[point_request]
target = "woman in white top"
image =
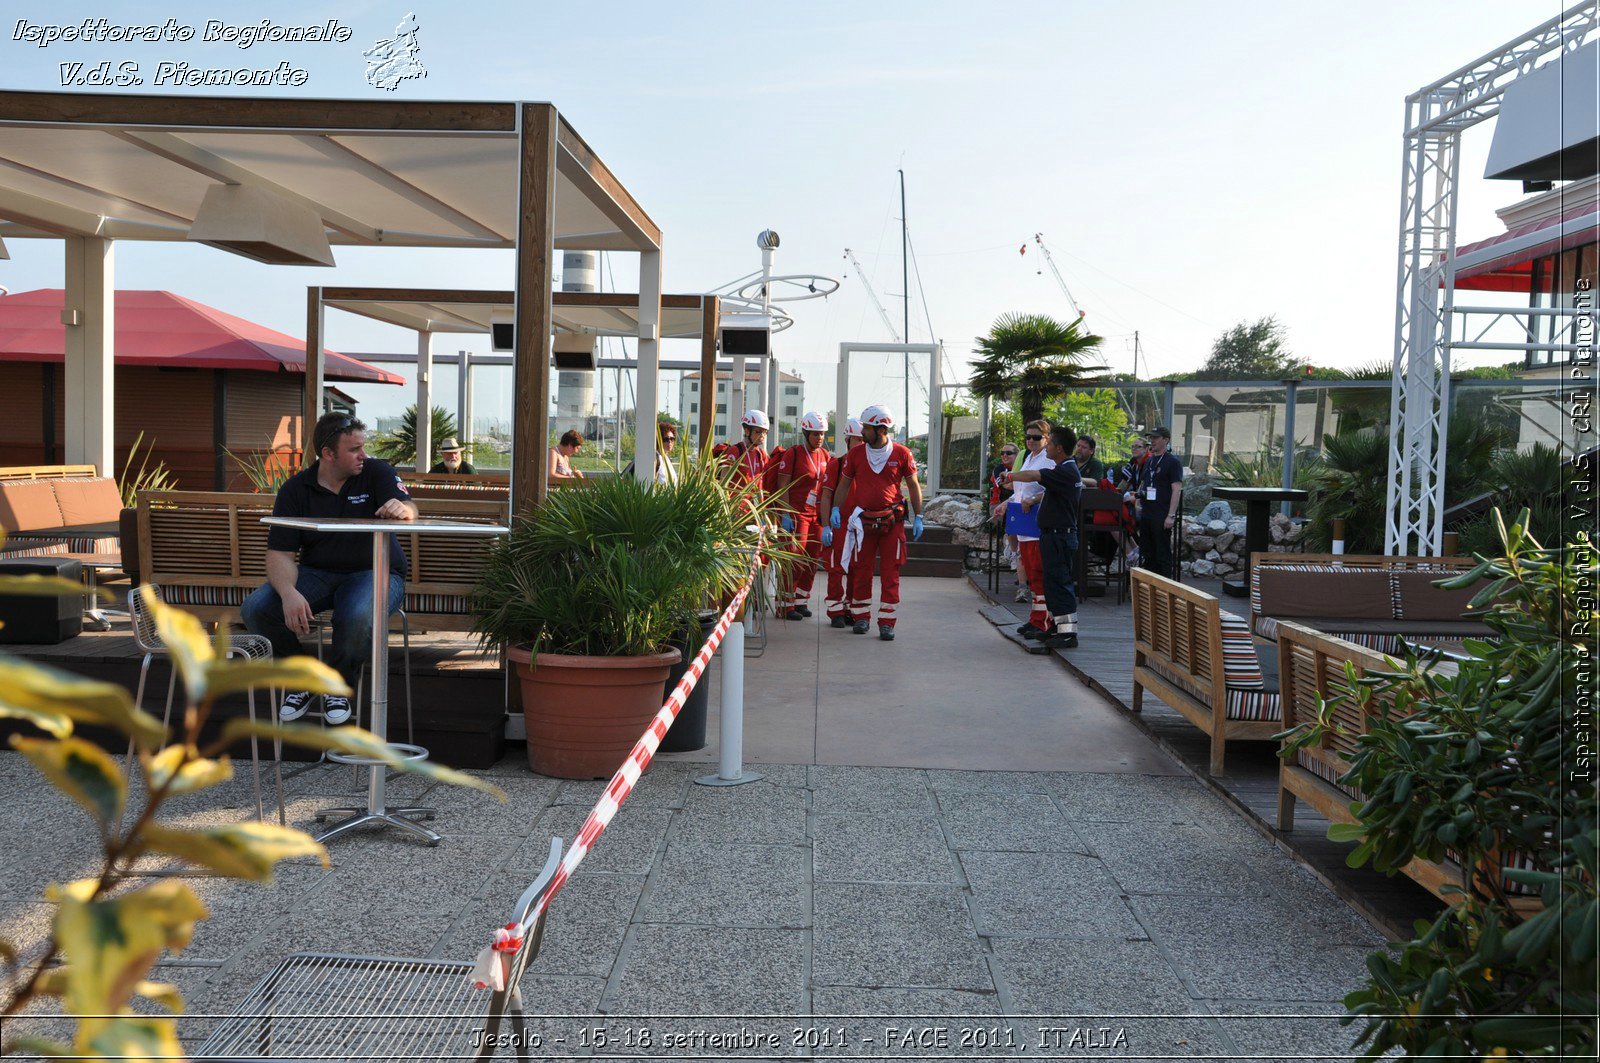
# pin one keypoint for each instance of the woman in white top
(1030, 495)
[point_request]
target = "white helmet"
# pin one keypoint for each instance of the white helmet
(877, 415)
(852, 427)
(755, 419)
(813, 422)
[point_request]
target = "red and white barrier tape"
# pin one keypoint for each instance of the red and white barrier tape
(627, 776)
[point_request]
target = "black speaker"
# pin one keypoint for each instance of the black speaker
(502, 335)
(41, 621)
(739, 342)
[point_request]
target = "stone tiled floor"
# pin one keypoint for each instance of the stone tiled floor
(1123, 900)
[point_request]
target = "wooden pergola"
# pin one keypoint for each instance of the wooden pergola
(429, 311)
(285, 181)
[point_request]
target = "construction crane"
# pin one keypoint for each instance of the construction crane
(1038, 238)
(882, 313)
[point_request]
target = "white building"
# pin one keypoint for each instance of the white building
(785, 419)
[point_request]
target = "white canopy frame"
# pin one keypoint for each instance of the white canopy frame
(935, 397)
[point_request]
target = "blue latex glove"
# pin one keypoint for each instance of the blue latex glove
(916, 528)
(833, 521)
(786, 522)
(827, 536)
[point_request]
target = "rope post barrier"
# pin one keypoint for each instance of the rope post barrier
(730, 728)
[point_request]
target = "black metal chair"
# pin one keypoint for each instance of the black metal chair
(1093, 539)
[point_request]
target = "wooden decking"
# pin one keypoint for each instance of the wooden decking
(1103, 660)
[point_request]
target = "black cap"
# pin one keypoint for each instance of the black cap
(1164, 432)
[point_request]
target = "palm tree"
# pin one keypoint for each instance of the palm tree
(1032, 358)
(400, 448)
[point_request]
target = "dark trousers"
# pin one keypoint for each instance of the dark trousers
(1058, 555)
(1155, 546)
(348, 594)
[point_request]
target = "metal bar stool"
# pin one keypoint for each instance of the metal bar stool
(251, 647)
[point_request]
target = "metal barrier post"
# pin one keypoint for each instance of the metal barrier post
(730, 729)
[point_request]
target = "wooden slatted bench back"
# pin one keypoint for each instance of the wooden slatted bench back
(47, 472)
(216, 539)
(1309, 665)
(1180, 628)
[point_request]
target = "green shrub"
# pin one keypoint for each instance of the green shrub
(1479, 765)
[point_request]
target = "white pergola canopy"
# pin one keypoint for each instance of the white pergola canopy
(396, 174)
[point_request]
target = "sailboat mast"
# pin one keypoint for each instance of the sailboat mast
(905, 286)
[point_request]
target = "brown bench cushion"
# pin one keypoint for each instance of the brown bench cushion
(88, 501)
(1353, 593)
(28, 505)
(1421, 600)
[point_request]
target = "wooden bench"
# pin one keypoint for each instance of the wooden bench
(1310, 664)
(49, 510)
(1201, 660)
(420, 485)
(1370, 600)
(207, 551)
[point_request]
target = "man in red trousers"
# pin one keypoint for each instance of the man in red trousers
(834, 598)
(798, 484)
(876, 526)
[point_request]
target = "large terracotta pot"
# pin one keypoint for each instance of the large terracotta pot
(584, 714)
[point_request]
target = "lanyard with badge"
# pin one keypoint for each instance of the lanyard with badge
(1150, 465)
(811, 471)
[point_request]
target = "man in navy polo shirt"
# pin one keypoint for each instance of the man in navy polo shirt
(1160, 492)
(308, 572)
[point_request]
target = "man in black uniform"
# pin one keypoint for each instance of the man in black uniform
(1058, 537)
(1159, 492)
(308, 572)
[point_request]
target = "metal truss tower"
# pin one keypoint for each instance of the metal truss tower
(1419, 413)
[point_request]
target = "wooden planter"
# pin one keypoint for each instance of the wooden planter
(584, 714)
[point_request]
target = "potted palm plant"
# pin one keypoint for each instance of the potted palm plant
(588, 591)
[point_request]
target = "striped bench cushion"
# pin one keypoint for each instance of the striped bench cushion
(1327, 772)
(179, 594)
(1240, 666)
(435, 604)
(25, 545)
(438, 604)
(1253, 705)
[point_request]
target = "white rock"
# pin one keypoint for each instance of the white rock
(1225, 540)
(1212, 555)
(1216, 526)
(1202, 568)
(1223, 569)
(1237, 526)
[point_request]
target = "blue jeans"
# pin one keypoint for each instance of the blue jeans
(349, 594)
(1058, 556)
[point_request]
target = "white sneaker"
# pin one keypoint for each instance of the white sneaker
(336, 710)
(1024, 594)
(295, 705)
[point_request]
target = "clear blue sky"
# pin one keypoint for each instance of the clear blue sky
(1191, 165)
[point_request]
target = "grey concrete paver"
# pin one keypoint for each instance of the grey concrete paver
(942, 850)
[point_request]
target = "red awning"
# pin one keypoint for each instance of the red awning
(1504, 263)
(163, 329)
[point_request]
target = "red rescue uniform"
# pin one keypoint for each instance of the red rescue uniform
(747, 462)
(834, 599)
(805, 469)
(883, 511)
